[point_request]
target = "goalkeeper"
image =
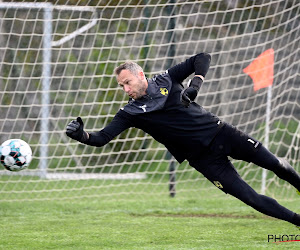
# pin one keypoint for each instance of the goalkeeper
(161, 107)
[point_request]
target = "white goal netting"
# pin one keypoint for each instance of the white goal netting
(57, 63)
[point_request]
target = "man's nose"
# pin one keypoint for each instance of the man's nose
(126, 88)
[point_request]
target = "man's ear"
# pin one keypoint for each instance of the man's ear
(141, 75)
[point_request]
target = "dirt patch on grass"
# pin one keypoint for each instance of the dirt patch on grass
(212, 215)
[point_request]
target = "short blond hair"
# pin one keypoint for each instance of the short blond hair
(133, 67)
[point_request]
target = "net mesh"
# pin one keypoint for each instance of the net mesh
(57, 63)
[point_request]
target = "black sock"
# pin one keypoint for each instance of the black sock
(296, 219)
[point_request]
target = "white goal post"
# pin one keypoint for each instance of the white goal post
(57, 63)
(47, 9)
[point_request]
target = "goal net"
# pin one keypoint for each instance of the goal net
(57, 63)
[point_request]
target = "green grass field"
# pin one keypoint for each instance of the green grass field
(167, 223)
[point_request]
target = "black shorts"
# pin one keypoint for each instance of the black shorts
(234, 143)
(214, 163)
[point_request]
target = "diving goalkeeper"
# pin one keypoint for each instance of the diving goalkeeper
(161, 107)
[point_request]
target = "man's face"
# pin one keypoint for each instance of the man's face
(134, 86)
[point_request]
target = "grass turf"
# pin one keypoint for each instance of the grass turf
(207, 223)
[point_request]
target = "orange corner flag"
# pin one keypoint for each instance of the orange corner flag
(261, 70)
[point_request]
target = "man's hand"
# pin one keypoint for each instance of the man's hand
(75, 130)
(189, 94)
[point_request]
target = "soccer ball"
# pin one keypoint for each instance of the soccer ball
(15, 154)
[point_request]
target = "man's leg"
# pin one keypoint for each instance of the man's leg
(264, 158)
(228, 180)
(239, 145)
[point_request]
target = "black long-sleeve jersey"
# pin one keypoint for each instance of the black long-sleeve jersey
(184, 131)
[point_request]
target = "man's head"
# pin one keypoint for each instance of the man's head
(131, 78)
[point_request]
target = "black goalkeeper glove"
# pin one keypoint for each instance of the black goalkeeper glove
(189, 94)
(75, 130)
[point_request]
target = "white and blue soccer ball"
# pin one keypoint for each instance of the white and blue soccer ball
(15, 154)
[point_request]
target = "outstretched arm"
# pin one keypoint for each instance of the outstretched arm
(98, 139)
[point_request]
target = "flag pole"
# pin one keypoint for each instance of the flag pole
(267, 134)
(261, 70)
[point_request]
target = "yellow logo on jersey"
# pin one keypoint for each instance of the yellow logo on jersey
(164, 91)
(218, 184)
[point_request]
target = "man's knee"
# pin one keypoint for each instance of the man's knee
(259, 202)
(282, 167)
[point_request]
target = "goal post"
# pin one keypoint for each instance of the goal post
(48, 43)
(57, 63)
